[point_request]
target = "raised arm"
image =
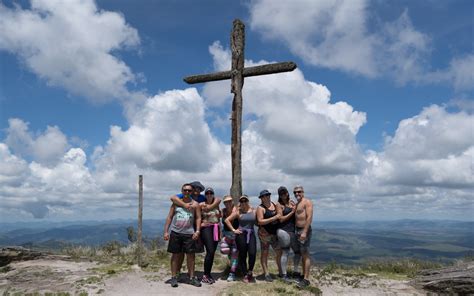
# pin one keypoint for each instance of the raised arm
(166, 235)
(180, 203)
(212, 206)
(263, 221)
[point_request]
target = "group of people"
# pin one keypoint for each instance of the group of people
(195, 222)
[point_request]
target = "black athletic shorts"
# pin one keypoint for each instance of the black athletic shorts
(181, 243)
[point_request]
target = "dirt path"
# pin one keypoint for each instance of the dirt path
(140, 283)
(57, 275)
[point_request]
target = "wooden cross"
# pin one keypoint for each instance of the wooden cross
(237, 74)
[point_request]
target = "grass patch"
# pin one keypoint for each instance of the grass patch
(273, 288)
(405, 267)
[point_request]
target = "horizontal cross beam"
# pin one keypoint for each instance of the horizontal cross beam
(247, 72)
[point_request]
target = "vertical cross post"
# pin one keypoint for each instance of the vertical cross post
(237, 41)
(140, 216)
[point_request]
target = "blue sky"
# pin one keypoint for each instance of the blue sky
(376, 122)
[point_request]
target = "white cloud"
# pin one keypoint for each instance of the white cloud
(460, 72)
(336, 35)
(295, 118)
(432, 149)
(168, 133)
(12, 168)
(46, 148)
(36, 188)
(70, 44)
(293, 134)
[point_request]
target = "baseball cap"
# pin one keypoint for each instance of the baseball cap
(209, 189)
(282, 189)
(227, 198)
(243, 197)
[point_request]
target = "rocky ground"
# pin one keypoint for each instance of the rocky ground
(55, 275)
(22, 273)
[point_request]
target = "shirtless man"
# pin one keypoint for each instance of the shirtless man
(303, 217)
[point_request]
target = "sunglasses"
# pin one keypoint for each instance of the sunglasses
(209, 193)
(244, 200)
(187, 190)
(298, 191)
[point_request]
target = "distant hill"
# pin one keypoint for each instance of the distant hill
(339, 241)
(89, 233)
(355, 242)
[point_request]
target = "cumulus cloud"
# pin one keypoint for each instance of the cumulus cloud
(294, 117)
(434, 148)
(36, 188)
(168, 133)
(70, 45)
(335, 34)
(46, 148)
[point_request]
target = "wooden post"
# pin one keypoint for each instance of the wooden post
(140, 216)
(237, 41)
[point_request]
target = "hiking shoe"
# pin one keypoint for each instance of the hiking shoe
(297, 276)
(174, 282)
(268, 278)
(231, 277)
(212, 279)
(206, 280)
(251, 278)
(182, 278)
(194, 282)
(285, 279)
(303, 283)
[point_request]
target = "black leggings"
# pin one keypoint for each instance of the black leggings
(207, 237)
(244, 249)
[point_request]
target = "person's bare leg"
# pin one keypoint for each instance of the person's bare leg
(190, 258)
(175, 266)
(306, 264)
(264, 261)
(180, 259)
(278, 260)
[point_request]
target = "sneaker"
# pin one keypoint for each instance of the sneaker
(195, 282)
(206, 279)
(231, 277)
(182, 278)
(251, 278)
(303, 283)
(246, 279)
(268, 278)
(212, 279)
(297, 276)
(285, 279)
(174, 282)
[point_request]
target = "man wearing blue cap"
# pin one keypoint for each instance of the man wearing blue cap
(197, 196)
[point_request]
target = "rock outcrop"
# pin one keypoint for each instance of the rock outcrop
(10, 254)
(457, 280)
